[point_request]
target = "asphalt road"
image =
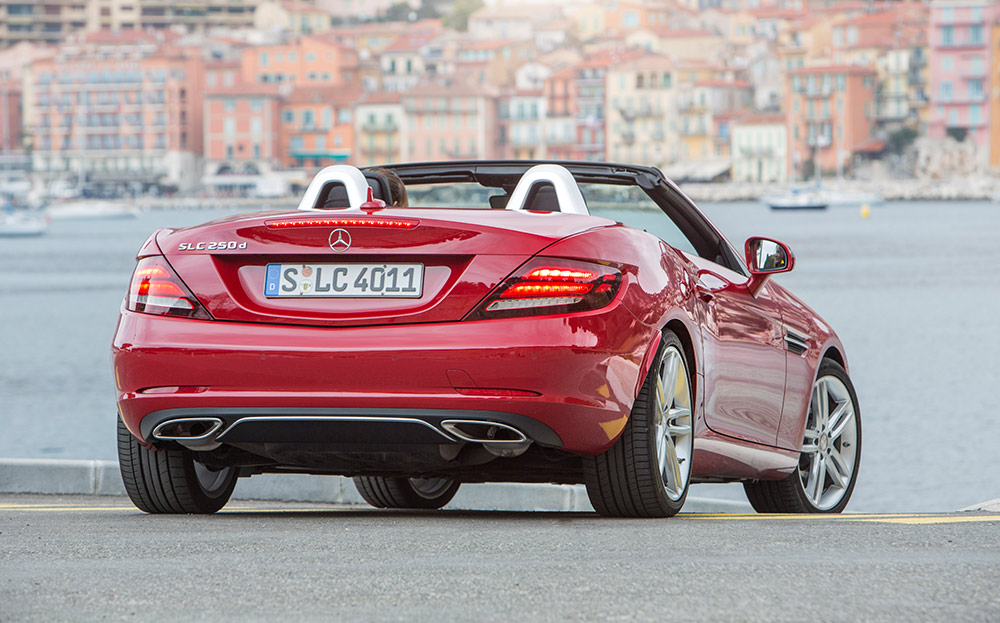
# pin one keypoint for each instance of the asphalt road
(94, 559)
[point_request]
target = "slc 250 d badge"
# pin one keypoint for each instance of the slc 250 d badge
(211, 246)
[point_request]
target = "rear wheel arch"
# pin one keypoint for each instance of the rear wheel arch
(681, 331)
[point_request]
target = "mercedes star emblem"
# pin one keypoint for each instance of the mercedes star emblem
(340, 240)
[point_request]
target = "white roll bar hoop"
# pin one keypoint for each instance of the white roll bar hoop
(567, 191)
(352, 179)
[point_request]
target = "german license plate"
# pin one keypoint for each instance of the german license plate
(344, 280)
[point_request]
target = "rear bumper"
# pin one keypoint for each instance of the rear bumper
(584, 369)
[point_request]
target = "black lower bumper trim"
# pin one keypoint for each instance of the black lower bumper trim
(361, 426)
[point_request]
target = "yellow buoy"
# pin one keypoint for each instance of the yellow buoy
(865, 211)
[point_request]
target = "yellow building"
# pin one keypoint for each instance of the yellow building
(297, 17)
(639, 112)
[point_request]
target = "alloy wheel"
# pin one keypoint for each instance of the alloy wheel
(673, 432)
(829, 444)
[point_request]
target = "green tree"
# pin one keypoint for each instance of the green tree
(397, 12)
(901, 139)
(458, 18)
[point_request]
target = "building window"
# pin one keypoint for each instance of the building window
(296, 144)
(976, 34)
(946, 91)
(976, 88)
(229, 152)
(953, 116)
(307, 119)
(229, 126)
(948, 35)
(230, 105)
(947, 64)
(975, 115)
(343, 116)
(320, 143)
(288, 116)
(263, 59)
(256, 104)
(256, 151)
(630, 19)
(977, 66)
(256, 127)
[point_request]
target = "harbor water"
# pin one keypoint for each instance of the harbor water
(913, 292)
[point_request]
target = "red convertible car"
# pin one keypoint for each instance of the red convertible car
(542, 322)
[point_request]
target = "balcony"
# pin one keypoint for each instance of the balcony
(818, 92)
(757, 152)
(379, 150)
(377, 127)
(698, 130)
(640, 111)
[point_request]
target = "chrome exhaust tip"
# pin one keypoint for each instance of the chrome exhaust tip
(192, 433)
(498, 439)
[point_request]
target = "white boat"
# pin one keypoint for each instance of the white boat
(22, 223)
(91, 210)
(797, 199)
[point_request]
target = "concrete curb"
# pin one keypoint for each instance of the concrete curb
(49, 476)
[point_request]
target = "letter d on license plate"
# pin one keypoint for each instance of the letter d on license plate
(344, 280)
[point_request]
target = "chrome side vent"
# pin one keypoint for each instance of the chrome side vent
(794, 342)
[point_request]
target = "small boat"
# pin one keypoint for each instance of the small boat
(22, 223)
(797, 199)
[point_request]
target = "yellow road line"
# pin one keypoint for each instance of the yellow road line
(894, 518)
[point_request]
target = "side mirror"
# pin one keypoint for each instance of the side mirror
(766, 257)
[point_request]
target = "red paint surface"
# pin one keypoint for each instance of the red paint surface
(751, 392)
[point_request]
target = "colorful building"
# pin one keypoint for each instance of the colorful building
(313, 61)
(640, 110)
(450, 120)
(560, 118)
(960, 81)
(295, 16)
(380, 130)
(122, 119)
(525, 134)
(831, 116)
(759, 147)
(318, 126)
(242, 133)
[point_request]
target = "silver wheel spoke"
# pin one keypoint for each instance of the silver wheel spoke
(810, 441)
(672, 471)
(678, 421)
(839, 472)
(840, 419)
(814, 488)
(661, 401)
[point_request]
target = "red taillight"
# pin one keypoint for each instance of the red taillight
(155, 289)
(551, 286)
(392, 223)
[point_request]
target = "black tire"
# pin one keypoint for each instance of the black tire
(789, 495)
(412, 493)
(169, 480)
(628, 480)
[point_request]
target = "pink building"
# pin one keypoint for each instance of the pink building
(450, 120)
(960, 58)
(118, 109)
(242, 135)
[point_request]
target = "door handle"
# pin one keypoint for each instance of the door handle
(703, 292)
